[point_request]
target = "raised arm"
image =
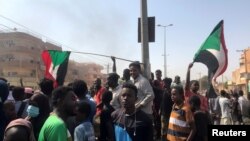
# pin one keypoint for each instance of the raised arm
(114, 63)
(187, 85)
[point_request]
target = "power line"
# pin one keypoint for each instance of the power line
(6, 27)
(102, 55)
(32, 31)
(14, 22)
(60, 44)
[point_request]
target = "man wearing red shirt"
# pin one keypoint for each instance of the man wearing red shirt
(191, 88)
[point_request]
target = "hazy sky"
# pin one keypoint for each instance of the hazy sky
(109, 27)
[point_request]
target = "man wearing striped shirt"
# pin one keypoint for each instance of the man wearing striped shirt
(181, 123)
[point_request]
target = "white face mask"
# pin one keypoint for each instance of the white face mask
(32, 111)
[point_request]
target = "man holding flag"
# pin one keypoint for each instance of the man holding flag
(192, 88)
(213, 54)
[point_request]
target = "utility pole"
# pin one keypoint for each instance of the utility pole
(144, 39)
(165, 60)
(164, 53)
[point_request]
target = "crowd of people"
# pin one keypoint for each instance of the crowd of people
(130, 108)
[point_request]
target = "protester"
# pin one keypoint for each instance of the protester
(184, 129)
(84, 131)
(192, 88)
(131, 124)
(64, 104)
(225, 109)
(115, 88)
(177, 81)
(38, 111)
(99, 90)
(166, 107)
(46, 86)
(158, 88)
(19, 130)
(246, 111)
(4, 91)
(243, 106)
(9, 111)
(20, 104)
(80, 88)
(106, 124)
(145, 91)
(201, 119)
(125, 77)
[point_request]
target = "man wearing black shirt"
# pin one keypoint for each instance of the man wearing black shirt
(131, 125)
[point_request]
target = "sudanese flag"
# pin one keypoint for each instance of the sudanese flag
(56, 63)
(213, 53)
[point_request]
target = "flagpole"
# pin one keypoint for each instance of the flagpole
(101, 55)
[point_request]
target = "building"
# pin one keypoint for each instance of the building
(241, 75)
(20, 60)
(86, 71)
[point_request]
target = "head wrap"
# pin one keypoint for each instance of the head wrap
(25, 123)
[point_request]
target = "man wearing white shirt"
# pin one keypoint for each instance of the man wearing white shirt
(225, 109)
(145, 92)
(243, 105)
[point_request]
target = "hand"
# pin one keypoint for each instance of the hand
(190, 65)
(113, 58)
